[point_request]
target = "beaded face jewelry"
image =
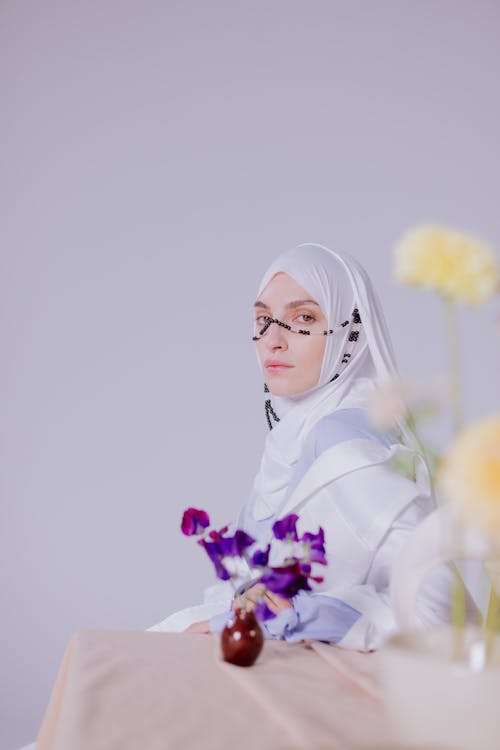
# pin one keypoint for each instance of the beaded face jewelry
(270, 413)
(304, 332)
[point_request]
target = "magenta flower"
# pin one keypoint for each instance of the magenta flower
(218, 535)
(194, 521)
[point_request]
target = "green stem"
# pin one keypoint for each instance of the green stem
(454, 364)
(458, 610)
(412, 425)
(458, 604)
(492, 621)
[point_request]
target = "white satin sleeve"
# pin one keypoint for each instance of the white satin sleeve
(216, 599)
(365, 530)
(372, 598)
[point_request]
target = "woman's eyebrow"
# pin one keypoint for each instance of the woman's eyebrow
(289, 305)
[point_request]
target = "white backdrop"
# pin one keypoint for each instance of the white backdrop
(155, 157)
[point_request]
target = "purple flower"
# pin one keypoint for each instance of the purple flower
(260, 557)
(225, 546)
(286, 528)
(213, 550)
(262, 611)
(237, 544)
(287, 581)
(194, 521)
(316, 543)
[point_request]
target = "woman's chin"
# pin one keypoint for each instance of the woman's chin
(280, 387)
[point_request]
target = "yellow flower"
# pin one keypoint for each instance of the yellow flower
(459, 266)
(469, 475)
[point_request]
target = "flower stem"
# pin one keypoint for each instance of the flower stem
(454, 364)
(492, 621)
(423, 448)
(458, 605)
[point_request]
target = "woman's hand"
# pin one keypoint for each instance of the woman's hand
(274, 602)
(198, 627)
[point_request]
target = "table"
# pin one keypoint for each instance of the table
(119, 690)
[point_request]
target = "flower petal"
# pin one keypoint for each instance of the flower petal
(214, 552)
(262, 611)
(194, 521)
(286, 528)
(287, 581)
(260, 557)
(316, 544)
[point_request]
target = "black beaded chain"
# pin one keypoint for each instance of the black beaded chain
(269, 321)
(269, 409)
(353, 336)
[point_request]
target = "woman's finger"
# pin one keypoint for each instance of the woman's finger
(276, 603)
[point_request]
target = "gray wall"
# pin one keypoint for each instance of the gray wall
(155, 157)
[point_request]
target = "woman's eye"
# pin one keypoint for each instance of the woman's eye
(306, 318)
(262, 319)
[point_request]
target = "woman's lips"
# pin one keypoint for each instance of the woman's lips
(275, 366)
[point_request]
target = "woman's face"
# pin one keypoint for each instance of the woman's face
(291, 362)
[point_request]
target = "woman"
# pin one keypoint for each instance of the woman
(322, 345)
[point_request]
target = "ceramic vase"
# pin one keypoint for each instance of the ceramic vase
(242, 639)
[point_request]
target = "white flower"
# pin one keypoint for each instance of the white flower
(396, 399)
(282, 549)
(387, 403)
(237, 567)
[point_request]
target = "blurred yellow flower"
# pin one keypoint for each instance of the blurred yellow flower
(458, 265)
(469, 475)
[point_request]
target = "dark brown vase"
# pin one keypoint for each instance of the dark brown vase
(242, 639)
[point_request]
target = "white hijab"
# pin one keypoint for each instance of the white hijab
(339, 284)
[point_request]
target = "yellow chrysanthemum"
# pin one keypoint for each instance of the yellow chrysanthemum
(459, 266)
(470, 475)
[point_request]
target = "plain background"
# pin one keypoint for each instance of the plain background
(155, 157)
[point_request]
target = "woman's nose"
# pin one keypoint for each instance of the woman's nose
(276, 337)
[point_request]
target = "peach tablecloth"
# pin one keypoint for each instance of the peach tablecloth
(121, 690)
